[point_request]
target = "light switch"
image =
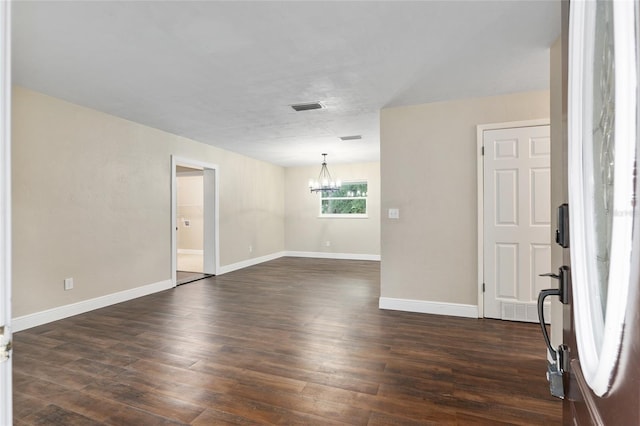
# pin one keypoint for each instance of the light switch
(394, 213)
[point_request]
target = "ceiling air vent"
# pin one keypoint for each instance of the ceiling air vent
(351, 138)
(307, 107)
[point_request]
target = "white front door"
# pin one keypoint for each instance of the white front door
(516, 221)
(603, 337)
(5, 214)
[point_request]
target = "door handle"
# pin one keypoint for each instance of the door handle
(543, 295)
(550, 274)
(564, 276)
(562, 291)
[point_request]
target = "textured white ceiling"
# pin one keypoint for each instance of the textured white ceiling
(225, 73)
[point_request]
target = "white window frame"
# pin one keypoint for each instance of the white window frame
(346, 215)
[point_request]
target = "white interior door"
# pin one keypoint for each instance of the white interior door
(517, 219)
(5, 214)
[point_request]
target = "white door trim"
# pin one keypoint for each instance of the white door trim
(210, 219)
(6, 405)
(211, 241)
(480, 129)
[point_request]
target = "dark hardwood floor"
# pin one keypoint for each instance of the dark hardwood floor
(186, 277)
(292, 341)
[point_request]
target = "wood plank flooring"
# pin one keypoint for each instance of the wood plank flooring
(294, 342)
(185, 277)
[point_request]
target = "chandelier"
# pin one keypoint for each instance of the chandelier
(324, 182)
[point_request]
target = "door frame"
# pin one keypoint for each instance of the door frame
(480, 129)
(6, 404)
(212, 238)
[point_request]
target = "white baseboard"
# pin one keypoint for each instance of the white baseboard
(191, 251)
(249, 262)
(427, 307)
(321, 255)
(326, 255)
(55, 314)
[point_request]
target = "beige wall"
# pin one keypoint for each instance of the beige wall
(306, 232)
(91, 200)
(190, 207)
(428, 171)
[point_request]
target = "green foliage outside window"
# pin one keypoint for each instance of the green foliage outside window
(351, 198)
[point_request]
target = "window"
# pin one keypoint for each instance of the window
(349, 201)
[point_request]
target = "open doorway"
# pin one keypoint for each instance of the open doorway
(189, 225)
(194, 220)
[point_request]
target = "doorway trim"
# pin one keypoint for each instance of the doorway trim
(209, 239)
(480, 129)
(6, 405)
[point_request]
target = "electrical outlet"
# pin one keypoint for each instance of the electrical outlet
(394, 213)
(250, 249)
(68, 283)
(328, 243)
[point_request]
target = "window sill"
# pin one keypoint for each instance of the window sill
(343, 216)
